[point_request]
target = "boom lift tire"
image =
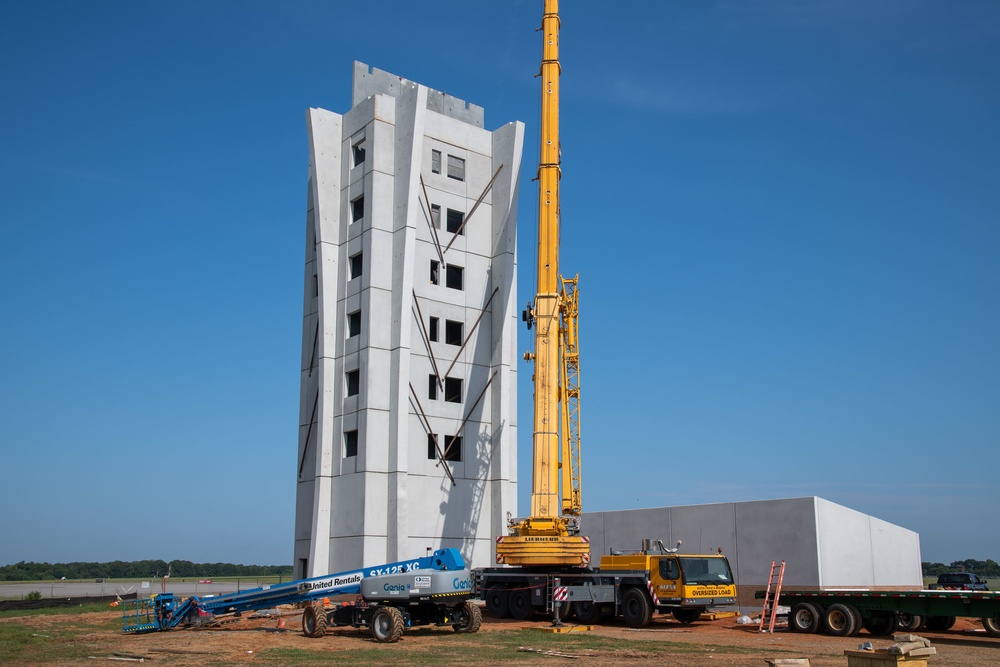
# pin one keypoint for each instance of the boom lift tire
(992, 626)
(520, 604)
(314, 621)
(387, 625)
(881, 623)
(806, 618)
(687, 616)
(497, 598)
(839, 621)
(587, 612)
(637, 608)
(909, 622)
(468, 618)
(939, 623)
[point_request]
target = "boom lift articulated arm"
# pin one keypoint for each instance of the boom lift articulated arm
(550, 536)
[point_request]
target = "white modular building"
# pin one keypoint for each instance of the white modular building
(408, 423)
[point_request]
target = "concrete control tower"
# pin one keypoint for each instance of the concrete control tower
(407, 421)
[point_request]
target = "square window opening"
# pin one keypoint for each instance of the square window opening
(456, 168)
(353, 324)
(350, 443)
(453, 276)
(358, 153)
(455, 219)
(357, 263)
(358, 208)
(353, 382)
(453, 332)
(453, 448)
(453, 390)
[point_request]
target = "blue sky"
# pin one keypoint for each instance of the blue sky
(784, 214)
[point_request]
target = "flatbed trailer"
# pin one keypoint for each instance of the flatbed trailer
(845, 613)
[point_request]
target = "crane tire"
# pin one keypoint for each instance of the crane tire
(497, 601)
(687, 616)
(839, 621)
(637, 608)
(314, 622)
(468, 618)
(520, 604)
(805, 617)
(587, 612)
(387, 625)
(992, 625)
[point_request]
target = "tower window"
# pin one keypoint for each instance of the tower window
(358, 153)
(432, 441)
(455, 221)
(456, 168)
(452, 448)
(453, 390)
(435, 272)
(353, 382)
(351, 443)
(353, 324)
(358, 208)
(432, 331)
(453, 332)
(436, 216)
(436, 161)
(453, 276)
(432, 387)
(356, 265)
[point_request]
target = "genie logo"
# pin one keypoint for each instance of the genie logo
(461, 584)
(395, 588)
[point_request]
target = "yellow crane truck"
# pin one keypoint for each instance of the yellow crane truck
(545, 559)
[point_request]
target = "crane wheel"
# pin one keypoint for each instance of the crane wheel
(520, 604)
(313, 622)
(387, 625)
(687, 616)
(637, 608)
(587, 612)
(467, 618)
(497, 598)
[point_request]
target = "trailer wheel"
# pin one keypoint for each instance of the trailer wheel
(992, 625)
(839, 621)
(939, 623)
(520, 604)
(497, 601)
(468, 618)
(387, 625)
(805, 617)
(587, 612)
(881, 623)
(637, 608)
(687, 616)
(909, 622)
(313, 622)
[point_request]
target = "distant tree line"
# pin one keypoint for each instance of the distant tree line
(136, 569)
(984, 568)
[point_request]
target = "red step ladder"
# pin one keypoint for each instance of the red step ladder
(771, 604)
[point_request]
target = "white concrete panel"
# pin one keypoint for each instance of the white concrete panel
(776, 530)
(895, 556)
(845, 553)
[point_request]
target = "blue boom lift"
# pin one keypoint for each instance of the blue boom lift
(432, 590)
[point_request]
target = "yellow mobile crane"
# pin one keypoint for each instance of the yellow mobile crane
(545, 558)
(550, 536)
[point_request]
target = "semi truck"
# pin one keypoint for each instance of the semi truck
(844, 613)
(433, 590)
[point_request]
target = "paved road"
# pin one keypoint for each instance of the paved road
(144, 588)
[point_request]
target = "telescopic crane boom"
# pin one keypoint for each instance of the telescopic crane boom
(550, 535)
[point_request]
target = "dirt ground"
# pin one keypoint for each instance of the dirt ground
(723, 643)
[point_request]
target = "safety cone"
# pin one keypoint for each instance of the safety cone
(281, 624)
